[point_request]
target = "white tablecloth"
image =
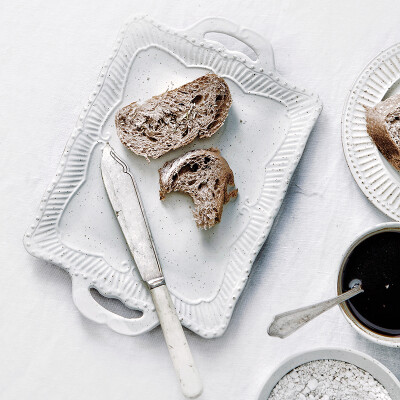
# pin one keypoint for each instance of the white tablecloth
(51, 54)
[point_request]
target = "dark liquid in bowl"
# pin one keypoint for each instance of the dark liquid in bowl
(376, 262)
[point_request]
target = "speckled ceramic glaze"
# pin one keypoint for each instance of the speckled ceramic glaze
(263, 139)
(379, 180)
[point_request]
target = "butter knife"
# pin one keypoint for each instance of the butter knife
(126, 202)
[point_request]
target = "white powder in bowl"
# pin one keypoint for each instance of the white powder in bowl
(328, 380)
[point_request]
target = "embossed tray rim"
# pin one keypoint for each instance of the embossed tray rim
(41, 238)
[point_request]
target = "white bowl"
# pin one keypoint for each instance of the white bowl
(363, 361)
(353, 321)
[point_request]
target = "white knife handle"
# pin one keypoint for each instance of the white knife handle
(177, 344)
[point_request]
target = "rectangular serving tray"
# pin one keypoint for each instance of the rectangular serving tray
(262, 139)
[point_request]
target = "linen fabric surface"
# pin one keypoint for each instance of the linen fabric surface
(51, 55)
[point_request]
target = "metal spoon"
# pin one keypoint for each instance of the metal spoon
(285, 324)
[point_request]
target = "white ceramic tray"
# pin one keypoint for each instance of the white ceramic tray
(379, 181)
(263, 139)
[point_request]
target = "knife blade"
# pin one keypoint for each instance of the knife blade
(125, 199)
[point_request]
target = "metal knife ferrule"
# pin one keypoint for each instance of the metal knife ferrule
(156, 282)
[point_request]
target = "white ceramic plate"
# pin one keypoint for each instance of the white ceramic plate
(263, 139)
(379, 181)
(363, 361)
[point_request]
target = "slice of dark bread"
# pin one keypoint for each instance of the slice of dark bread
(174, 118)
(204, 175)
(383, 125)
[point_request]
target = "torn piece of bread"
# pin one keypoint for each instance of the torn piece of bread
(383, 125)
(204, 175)
(174, 118)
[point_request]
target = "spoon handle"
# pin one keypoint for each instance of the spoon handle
(285, 324)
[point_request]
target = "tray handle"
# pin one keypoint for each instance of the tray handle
(89, 307)
(261, 46)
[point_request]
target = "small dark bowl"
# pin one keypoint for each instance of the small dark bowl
(354, 322)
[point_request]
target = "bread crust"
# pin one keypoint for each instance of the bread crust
(174, 118)
(384, 129)
(205, 176)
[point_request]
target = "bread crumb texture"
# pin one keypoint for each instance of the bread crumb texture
(174, 118)
(205, 176)
(383, 125)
